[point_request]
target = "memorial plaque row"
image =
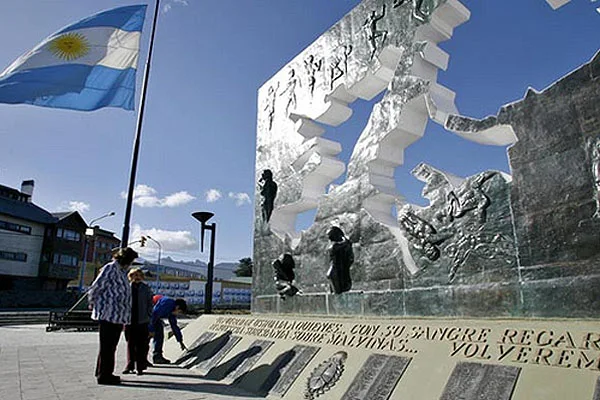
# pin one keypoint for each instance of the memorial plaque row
(376, 380)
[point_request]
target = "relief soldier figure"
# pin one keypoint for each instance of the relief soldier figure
(341, 56)
(284, 277)
(270, 107)
(341, 257)
(470, 197)
(291, 91)
(312, 67)
(372, 32)
(423, 234)
(268, 190)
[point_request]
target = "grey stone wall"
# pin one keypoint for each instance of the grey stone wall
(553, 194)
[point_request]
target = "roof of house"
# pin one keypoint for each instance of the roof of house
(25, 210)
(64, 215)
(9, 190)
(104, 233)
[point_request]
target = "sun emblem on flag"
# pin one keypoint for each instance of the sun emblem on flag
(70, 46)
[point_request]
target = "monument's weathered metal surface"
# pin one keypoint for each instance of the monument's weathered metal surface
(377, 378)
(473, 381)
(525, 244)
(288, 374)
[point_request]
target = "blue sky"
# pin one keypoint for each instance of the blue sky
(198, 141)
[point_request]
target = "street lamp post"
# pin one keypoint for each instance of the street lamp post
(159, 253)
(89, 228)
(203, 217)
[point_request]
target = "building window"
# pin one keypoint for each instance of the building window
(11, 256)
(9, 226)
(68, 234)
(64, 259)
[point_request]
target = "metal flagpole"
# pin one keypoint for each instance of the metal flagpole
(136, 143)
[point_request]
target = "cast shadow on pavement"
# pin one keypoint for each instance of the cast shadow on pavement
(203, 351)
(220, 372)
(255, 383)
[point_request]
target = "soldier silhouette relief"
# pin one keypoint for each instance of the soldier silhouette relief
(335, 69)
(312, 67)
(268, 191)
(284, 276)
(372, 32)
(270, 107)
(341, 257)
(290, 89)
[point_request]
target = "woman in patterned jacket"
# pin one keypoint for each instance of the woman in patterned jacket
(110, 299)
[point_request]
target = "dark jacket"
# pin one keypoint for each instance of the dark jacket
(142, 301)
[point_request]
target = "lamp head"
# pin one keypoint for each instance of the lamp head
(202, 216)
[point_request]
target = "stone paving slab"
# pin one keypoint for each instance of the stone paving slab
(35, 365)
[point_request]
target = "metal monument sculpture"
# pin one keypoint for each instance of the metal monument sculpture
(489, 244)
(284, 276)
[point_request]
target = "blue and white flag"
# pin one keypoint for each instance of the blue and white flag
(85, 66)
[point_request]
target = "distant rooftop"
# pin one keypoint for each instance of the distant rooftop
(62, 214)
(16, 204)
(13, 194)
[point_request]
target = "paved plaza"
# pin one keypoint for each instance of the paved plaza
(35, 365)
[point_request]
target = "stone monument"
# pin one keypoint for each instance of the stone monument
(436, 302)
(526, 245)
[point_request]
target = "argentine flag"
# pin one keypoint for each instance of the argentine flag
(85, 66)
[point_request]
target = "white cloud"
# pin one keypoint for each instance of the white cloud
(171, 241)
(146, 196)
(213, 195)
(177, 199)
(169, 5)
(240, 198)
(79, 206)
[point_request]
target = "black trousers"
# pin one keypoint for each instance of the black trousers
(137, 346)
(109, 339)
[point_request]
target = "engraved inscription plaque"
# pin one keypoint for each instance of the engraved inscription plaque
(475, 381)
(303, 355)
(597, 391)
(250, 361)
(377, 378)
(214, 360)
